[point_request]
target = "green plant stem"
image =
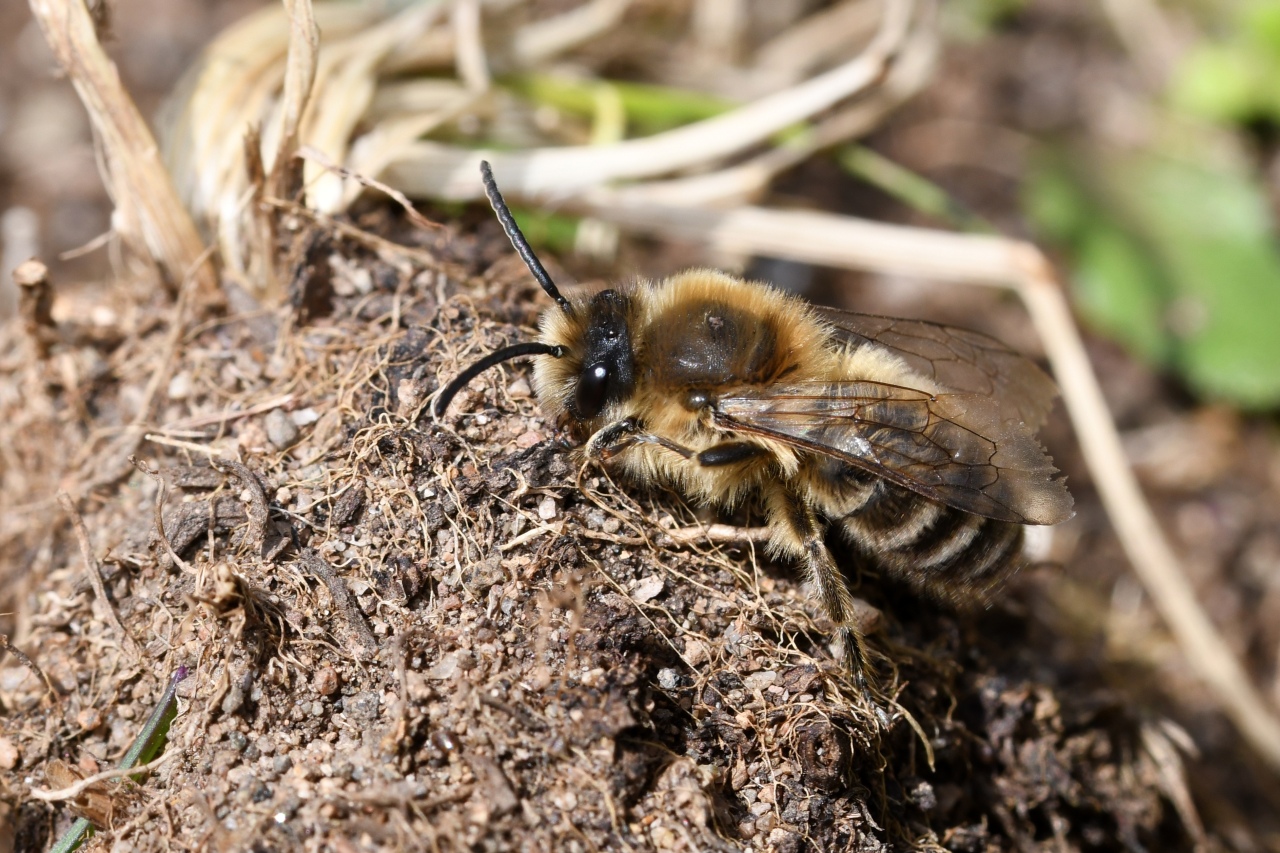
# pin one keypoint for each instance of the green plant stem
(146, 746)
(911, 189)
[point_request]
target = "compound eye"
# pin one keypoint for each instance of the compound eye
(589, 397)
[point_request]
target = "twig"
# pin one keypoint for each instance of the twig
(223, 417)
(206, 449)
(149, 214)
(26, 661)
(726, 533)
(114, 773)
(342, 599)
(158, 514)
(388, 250)
(259, 512)
(323, 160)
(95, 573)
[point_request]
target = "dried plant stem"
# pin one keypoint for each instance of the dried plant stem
(158, 514)
(25, 660)
(726, 533)
(547, 39)
(95, 573)
(149, 215)
(429, 169)
(343, 601)
(843, 241)
(1144, 542)
(114, 773)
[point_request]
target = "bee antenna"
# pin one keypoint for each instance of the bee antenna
(517, 237)
(505, 354)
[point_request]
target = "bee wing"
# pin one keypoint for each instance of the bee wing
(959, 449)
(957, 359)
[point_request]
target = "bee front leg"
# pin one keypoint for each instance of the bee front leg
(616, 437)
(799, 534)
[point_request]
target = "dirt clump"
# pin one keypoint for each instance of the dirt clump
(416, 635)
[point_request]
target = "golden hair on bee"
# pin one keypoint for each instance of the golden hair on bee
(914, 441)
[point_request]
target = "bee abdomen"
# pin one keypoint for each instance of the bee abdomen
(948, 553)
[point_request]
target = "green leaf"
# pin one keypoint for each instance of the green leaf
(1176, 261)
(1261, 23)
(1116, 288)
(1217, 82)
(1212, 233)
(649, 109)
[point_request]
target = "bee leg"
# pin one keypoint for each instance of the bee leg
(729, 453)
(799, 533)
(616, 437)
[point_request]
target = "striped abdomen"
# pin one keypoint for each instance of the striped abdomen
(951, 554)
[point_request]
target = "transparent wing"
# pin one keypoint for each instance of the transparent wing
(958, 359)
(959, 449)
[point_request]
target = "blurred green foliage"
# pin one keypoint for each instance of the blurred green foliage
(1172, 242)
(974, 19)
(1236, 76)
(1175, 260)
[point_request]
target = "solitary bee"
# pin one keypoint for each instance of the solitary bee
(916, 441)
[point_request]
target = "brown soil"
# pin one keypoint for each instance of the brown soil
(406, 634)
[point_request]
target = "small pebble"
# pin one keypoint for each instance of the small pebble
(444, 669)
(88, 719)
(9, 755)
(547, 508)
(696, 652)
(647, 589)
(281, 430)
(668, 678)
(180, 386)
(778, 837)
(326, 681)
(760, 680)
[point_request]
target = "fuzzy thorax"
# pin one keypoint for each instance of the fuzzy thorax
(694, 337)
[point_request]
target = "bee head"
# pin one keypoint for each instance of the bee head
(604, 361)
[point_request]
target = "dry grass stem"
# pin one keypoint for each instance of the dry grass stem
(94, 572)
(721, 533)
(547, 39)
(311, 154)
(434, 170)
(32, 667)
(75, 790)
(149, 213)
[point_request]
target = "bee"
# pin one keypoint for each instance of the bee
(914, 441)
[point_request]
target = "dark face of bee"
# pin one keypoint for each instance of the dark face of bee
(608, 363)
